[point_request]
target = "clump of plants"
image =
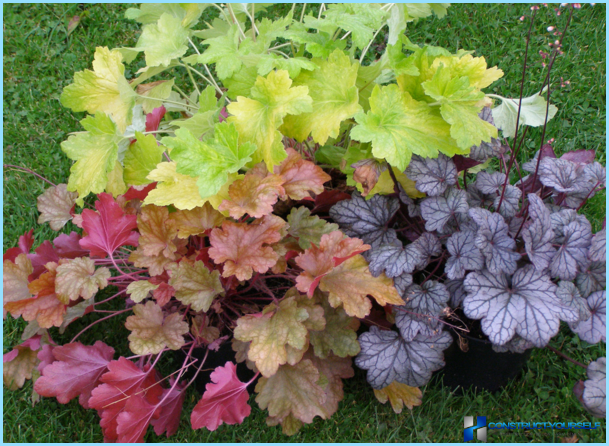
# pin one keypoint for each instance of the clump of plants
(304, 192)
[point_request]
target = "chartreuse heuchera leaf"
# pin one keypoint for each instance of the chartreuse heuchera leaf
(258, 117)
(335, 98)
(141, 158)
(163, 41)
(104, 89)
(212, 160)
(95, 153)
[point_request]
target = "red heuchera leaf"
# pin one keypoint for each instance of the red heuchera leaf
(134, 419)
(327, 199)
(46, 357)
(109, 228)
(463, 162)
(319, 261)
(301, 177)
(153, 119)
(25, 244)
(139, 192)
(120, 383)
(224, 400)
(580, 156)
(76, 372)
(171, 409)
(240, 246)
(68, 246)
(44, 254)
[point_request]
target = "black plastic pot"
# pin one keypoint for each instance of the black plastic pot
(480, 366)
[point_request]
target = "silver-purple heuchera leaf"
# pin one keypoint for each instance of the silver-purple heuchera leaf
(388, 357)
(486, 149)
(456, 288)
(394, 259)
(413, 209)
(367, 219)
(430, 246)
(510, 203)
(464, 255)
(422, 311)
(561, 219)
(493, 241)
(591, 278)
(432, 175)
(489, 183)
(526, 305)
(595, 174)
(402, 282)
(559, 174)
(538, 236)
(437, 211)
(573, 250)
(592, 392)
(571, 298)
(593, 330)
(515, 345)
(477, 199)
(598, 247)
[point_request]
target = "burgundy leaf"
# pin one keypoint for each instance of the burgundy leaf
(139, 193)
(76, 372)
(46, 357)
(44, 254)
(580, 156)
(327, 199)
(153, 119)
(25, 244)
(171, 409)
(109, 228)
(463, 162)
(224, 401)
(68, 246)
(134, 419)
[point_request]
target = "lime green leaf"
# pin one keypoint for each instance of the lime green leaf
(258, 117)
(163, 41)
(210, 160)
(142, 158)
(293, 65)
(188, 13)
(319, 44)
(335, 98)
(242, 82)
(532, 113)
(95, 153)
(399, 126)
(472, 67)
(332, 155)
(421, 59)
(154, 93)
(103, 89)
(206, 117)
(366, 75)
(116, 183)
(224, 52)
(459, 107)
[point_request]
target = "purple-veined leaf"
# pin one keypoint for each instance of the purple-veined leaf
(421, 313)
(388, 357)
(402, 282)
(367, 219)
(456, 288)
(546, 152)
(559, 174)
(438, 210)
(598, 247)
(494, 242)
(593, 330)
(394, 259)
(595, 173)
(591, 278)
(486, 149)
(571, 298)
(477, 199)
(515, 345)
(432, 175)
(489, 183)
(538, 235)
(413, 209)
(464, 255)
(561, 219)
(430, 246)
(511, 201)
(526, 305)
(573, 250)
(592, 392)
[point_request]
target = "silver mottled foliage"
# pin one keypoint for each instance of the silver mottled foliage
(489, 183)
(559, 174)
(457, 292)
(414, 210)
(438, 210)
(538, 236)
(591, 278)
(595, 173)
(464, 255)
(573, 250)
(476, 199)
(598, 247)
(367, 219)
(510, 203)
(515, 345)
(526, 305)
(571, 298)
(593, 330)
(394, 259)
(594, 396)
(388, 357)
(494, 242)
(432, 175)
(561, 219)
(402, 282)
(430, 246)
(423, 309)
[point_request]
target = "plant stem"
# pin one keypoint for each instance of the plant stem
(26, 170)
(304, 6)
(97, 322)
(562, 355)
(361, 59)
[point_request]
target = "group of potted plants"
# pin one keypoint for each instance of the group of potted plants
(286, 201)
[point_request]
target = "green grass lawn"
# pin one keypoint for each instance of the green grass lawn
(40, 59)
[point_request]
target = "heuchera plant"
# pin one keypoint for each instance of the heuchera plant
(210, 222)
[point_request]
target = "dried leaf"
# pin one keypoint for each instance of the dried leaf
(300, 177)
(196, 221)
(399, 395)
